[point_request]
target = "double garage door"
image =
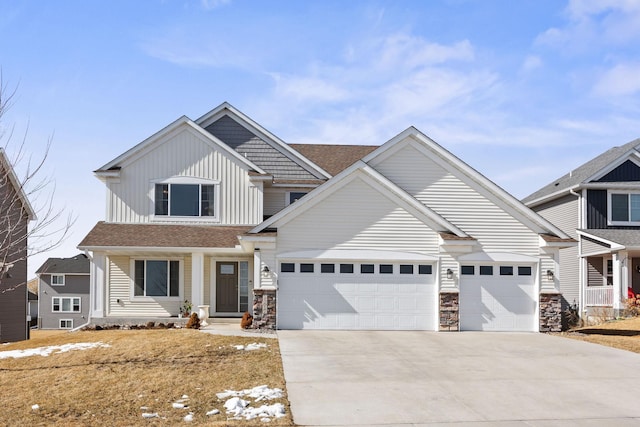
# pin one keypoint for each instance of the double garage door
(356, 295)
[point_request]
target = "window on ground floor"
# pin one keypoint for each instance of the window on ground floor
(156, 278)
(66, 324)
(65, 304)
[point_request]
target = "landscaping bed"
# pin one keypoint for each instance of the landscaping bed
(623, 334)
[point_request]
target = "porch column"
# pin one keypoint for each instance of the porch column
(620, 272)
(197, 280)
(257, 269)
(96, 280)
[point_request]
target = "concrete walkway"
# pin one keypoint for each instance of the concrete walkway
(233, 329)
(452, 379)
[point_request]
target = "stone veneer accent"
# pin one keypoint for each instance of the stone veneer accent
(264, 309)
(449, 311)
(550, 312)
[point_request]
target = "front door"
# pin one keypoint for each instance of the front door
(635, 276)
(227, 287)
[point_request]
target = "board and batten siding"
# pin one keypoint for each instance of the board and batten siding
(184, 154)
(455, 200)
(119, 287)
(357, 216)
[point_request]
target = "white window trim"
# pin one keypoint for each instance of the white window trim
(188, 180)
(132, 270)
(64, 280)
(66, 311)
(65, 320)
(609, 220)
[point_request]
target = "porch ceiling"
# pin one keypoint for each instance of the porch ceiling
(618, 239)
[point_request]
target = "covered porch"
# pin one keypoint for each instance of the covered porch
(610, 268)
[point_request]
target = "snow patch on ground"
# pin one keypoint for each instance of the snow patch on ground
(53, 349)
(250, 347)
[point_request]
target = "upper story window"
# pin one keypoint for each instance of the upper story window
(294, 196)
(624, 208)
(185, 200)
(57, 280)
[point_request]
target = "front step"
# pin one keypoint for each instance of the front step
(226, 320)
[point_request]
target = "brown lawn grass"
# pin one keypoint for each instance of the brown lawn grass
(623, 334)
(152, 368)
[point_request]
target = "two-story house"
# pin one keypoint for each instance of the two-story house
(221, 212)
(63, 292)
(15, 214)
(598, 204)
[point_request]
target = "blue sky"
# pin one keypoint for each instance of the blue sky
(522, 91)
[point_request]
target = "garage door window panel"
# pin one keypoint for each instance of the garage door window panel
(287, 267)
(346, 268)
(367, 268)
(327, 268)
(468, 270)
(386, 268)
(524, 271)
(506, 270)
(406, 269)
(425, 269)
(486, 270)
(306, 268)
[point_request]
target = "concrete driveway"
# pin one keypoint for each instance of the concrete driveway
(476, 379)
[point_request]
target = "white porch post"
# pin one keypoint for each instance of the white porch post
(620, 273)
(257, 269)
(96, 280)
(197, 280)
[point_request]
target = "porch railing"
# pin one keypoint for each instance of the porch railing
(599, 296)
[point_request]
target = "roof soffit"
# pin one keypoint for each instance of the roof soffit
(467, 174)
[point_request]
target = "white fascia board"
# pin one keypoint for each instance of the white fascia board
(362, 170)
(489, 189)
(549, 197)
(632, 155)
(17, 185)
(497, 257)
(166, 133)
(356, 255)
(255, 128)
(258, 238)
(613, 245)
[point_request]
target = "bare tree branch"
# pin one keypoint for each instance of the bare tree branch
(25, 193)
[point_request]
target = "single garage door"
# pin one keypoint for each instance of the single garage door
(498, 298)
(356, 295)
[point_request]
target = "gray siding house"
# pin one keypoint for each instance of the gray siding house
(15, 214)
(64, 292)
(598, 204)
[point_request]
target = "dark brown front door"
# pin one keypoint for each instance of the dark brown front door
(227, 287)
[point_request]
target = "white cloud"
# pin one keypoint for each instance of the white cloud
(621, 80)
(308, 89)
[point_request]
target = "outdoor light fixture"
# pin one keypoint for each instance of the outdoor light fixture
(549, 275)
(449, 273)
(265, 269)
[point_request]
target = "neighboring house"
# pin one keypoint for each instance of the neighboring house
(15, 214)
(64, 292)
(598, 204)
(221, 212)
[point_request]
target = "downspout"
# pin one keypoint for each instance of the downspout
(90, 298)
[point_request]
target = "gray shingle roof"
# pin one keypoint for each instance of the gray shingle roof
(626, 238)
(583, 172)
(78, 264)
(333, 158)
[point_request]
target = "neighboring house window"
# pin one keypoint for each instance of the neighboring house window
(624, 208)
(156, 278)
(294, 196)
(65, 305)
(66, 323)
(57, 280)
(185, 200)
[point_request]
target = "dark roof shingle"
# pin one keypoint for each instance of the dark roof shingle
(333, 158)
(78, 264)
